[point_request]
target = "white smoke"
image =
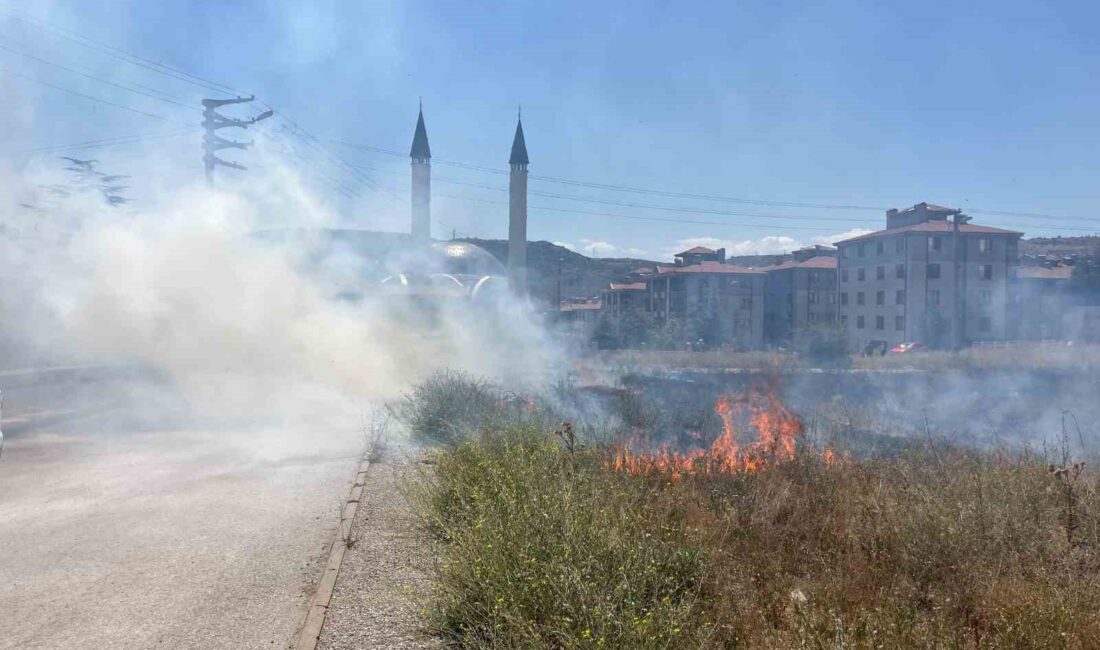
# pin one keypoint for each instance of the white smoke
(236, 323)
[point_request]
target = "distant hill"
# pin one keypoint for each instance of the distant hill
(1087, 245)
(580, 275)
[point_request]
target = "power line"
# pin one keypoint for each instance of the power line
(79, 94)
(632, 217)
(95, 78)
(340, 187)
(123, 55)
(664, 208)
(106, 142)
(314, 141)
(670, 220)
(706, 197)
(193, 79)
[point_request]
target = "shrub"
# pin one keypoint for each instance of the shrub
(542, 548)
(449, 404)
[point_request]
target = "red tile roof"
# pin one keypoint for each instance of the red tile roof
(698, 250)
(819, 262)
(707, 267)
(635, 286)
(1059, 272)
(936, 225)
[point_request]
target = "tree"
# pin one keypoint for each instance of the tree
(1085, 281)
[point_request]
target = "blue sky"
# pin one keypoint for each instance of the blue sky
(988, 106)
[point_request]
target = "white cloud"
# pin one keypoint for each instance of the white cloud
(635, 252)
(594, 248)
(829, 240)
(565, 244)
(767, 245)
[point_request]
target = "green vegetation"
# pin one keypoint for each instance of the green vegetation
(543, 545)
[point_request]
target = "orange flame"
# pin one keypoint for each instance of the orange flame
(776, 429)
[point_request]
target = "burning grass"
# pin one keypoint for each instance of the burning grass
(759, 542)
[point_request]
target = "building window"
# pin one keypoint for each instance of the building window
(985, 271)
(879, 246)
(985, 324)
(899, 271)
(880, 273)
(880, 298)
(934, 297)
(813, 297)
(859, 322)
(832, 298)
(844, 319)
(746, 303)
(899, 297)
(861, 248)
(985, 245)
(985, 296)
(844, 253)
(899, 245)
(859, 298)
(933, 271)
(861, 275)
(880, 322)
(935, 243)
(899, 323)
(844, 275)
(812, 317)
(844, 298)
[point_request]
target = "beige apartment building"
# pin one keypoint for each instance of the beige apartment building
(732, 296)
(800, 295)
(930, 276)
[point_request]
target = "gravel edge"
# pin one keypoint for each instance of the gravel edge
(384, 579)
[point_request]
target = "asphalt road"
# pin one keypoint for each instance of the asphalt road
(122, 529)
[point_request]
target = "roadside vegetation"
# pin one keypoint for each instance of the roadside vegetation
(543, 544)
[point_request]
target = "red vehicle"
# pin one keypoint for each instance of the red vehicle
(902, 348)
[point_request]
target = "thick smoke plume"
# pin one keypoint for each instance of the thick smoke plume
(238, 323)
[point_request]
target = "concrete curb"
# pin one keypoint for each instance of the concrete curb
(311, 628)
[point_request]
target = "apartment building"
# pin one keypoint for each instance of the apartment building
(732, 296)
(1041, 299)
(929, 276)
(800, 294)
(624, 297)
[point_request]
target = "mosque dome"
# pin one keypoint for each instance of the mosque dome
(463, 258)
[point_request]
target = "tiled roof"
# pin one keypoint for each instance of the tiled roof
(931, 207)
(1060, 272)
(707, 267)
(698, 250)
(933, 226)
(819, 262)
(634, 286)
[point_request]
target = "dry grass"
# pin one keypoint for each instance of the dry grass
(543, 548)
(1008, 357)
(541, 545)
